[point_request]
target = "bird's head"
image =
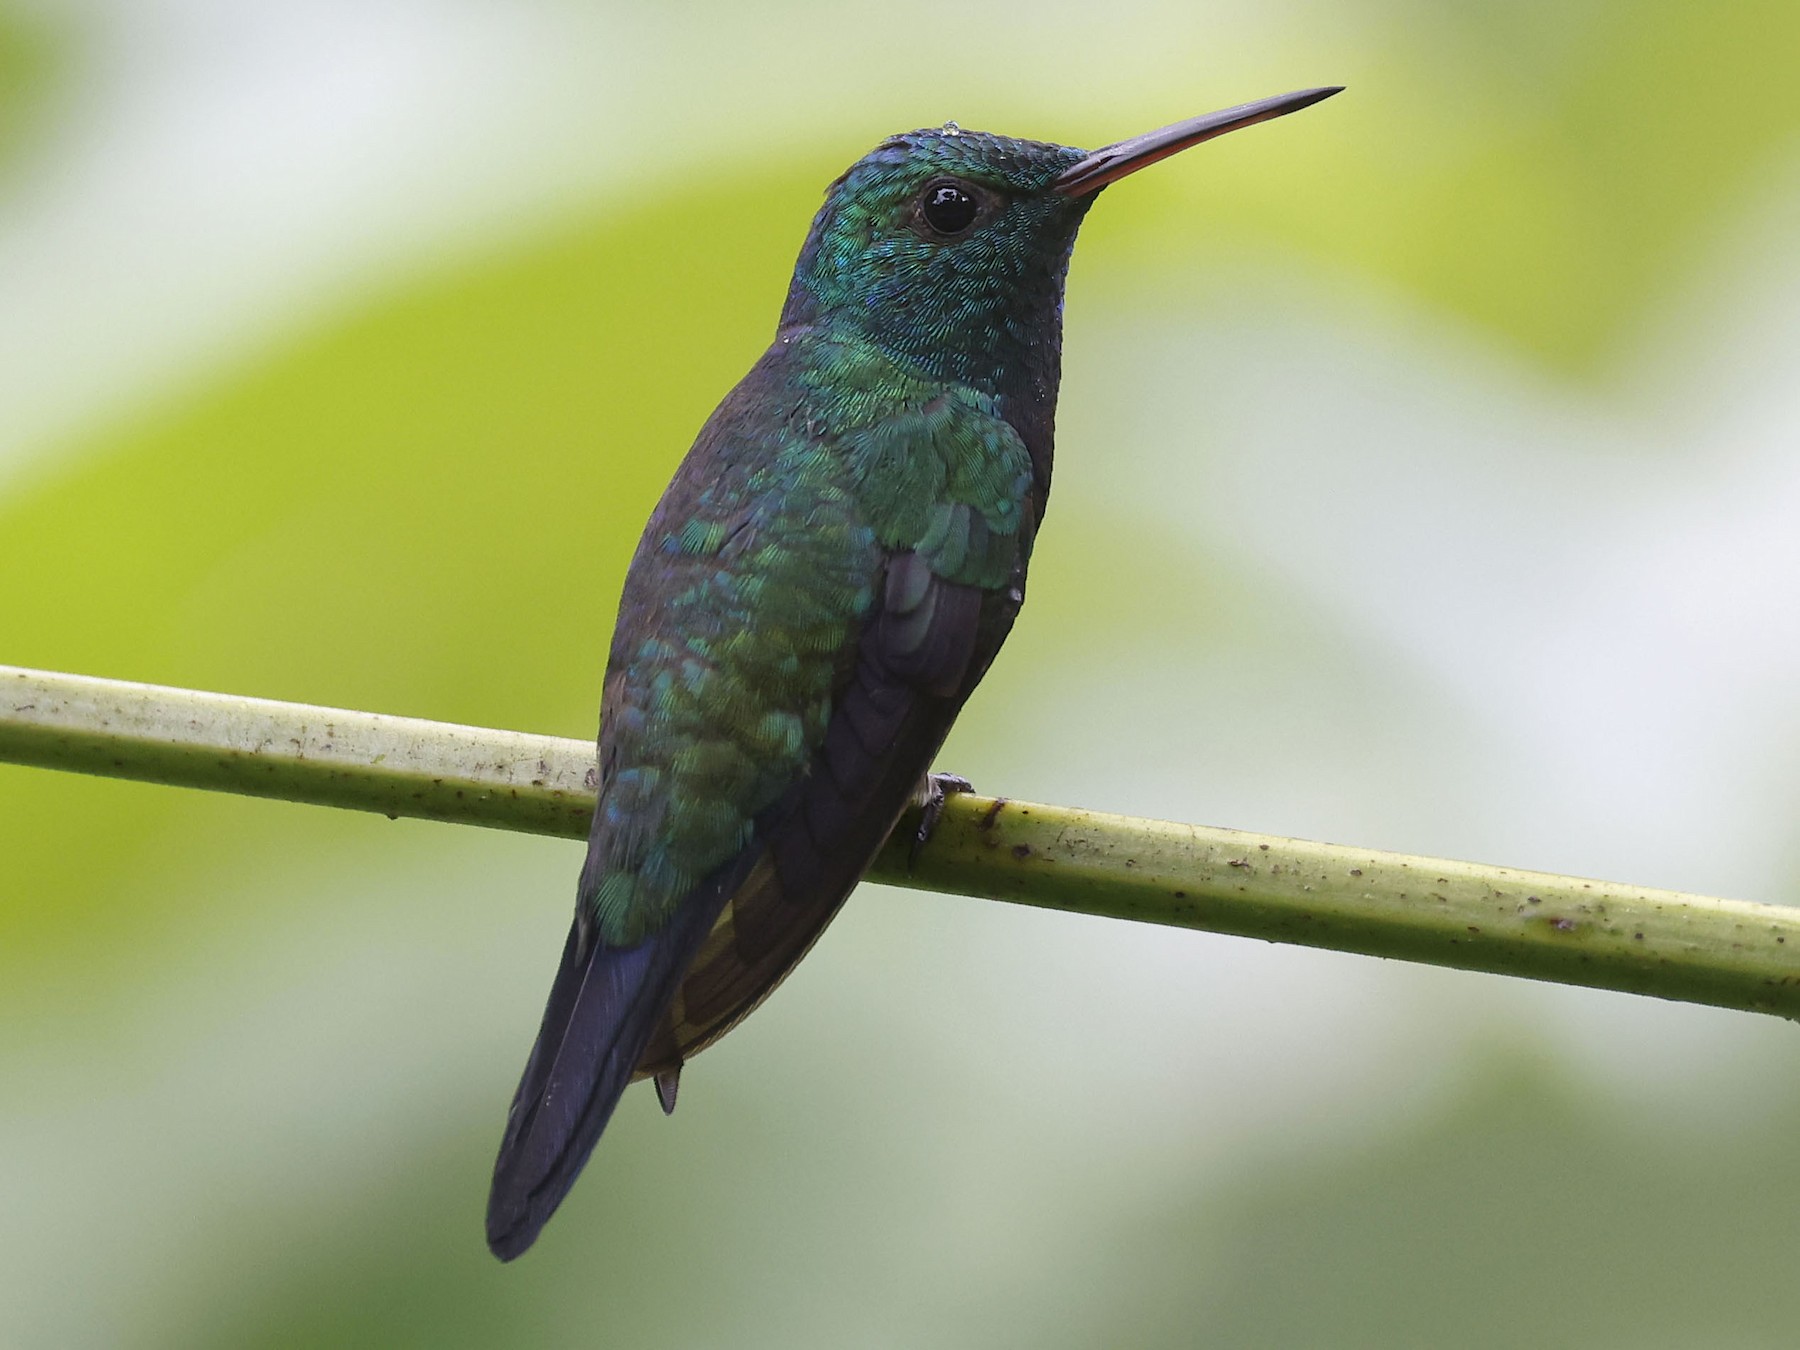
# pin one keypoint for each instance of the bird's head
(948, 248)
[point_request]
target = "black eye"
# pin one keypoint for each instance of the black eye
(949, 208)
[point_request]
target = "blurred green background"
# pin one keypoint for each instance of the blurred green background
(1428, 480)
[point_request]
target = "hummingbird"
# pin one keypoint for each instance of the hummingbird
(826, 579)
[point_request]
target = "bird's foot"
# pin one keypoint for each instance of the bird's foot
(934, 790)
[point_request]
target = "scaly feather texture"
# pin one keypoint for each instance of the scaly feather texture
(829, 575)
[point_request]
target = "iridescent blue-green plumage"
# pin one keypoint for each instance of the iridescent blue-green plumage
(829, 575)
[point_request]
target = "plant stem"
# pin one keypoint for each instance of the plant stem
(1729, 953)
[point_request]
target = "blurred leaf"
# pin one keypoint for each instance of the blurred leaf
(33, 58)
(425, 509)
(1550, 172)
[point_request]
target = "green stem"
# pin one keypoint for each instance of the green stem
(1724, 952)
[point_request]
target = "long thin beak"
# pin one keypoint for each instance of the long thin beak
(1115, 161)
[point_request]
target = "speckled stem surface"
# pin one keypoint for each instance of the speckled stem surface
(399, 766)
(1729, 953)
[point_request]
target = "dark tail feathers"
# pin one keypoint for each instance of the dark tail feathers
(604, 1006)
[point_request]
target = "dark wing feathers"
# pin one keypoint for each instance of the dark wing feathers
(926, 631)
(886, 726)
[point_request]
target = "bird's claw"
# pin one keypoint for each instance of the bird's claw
(934, 791)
